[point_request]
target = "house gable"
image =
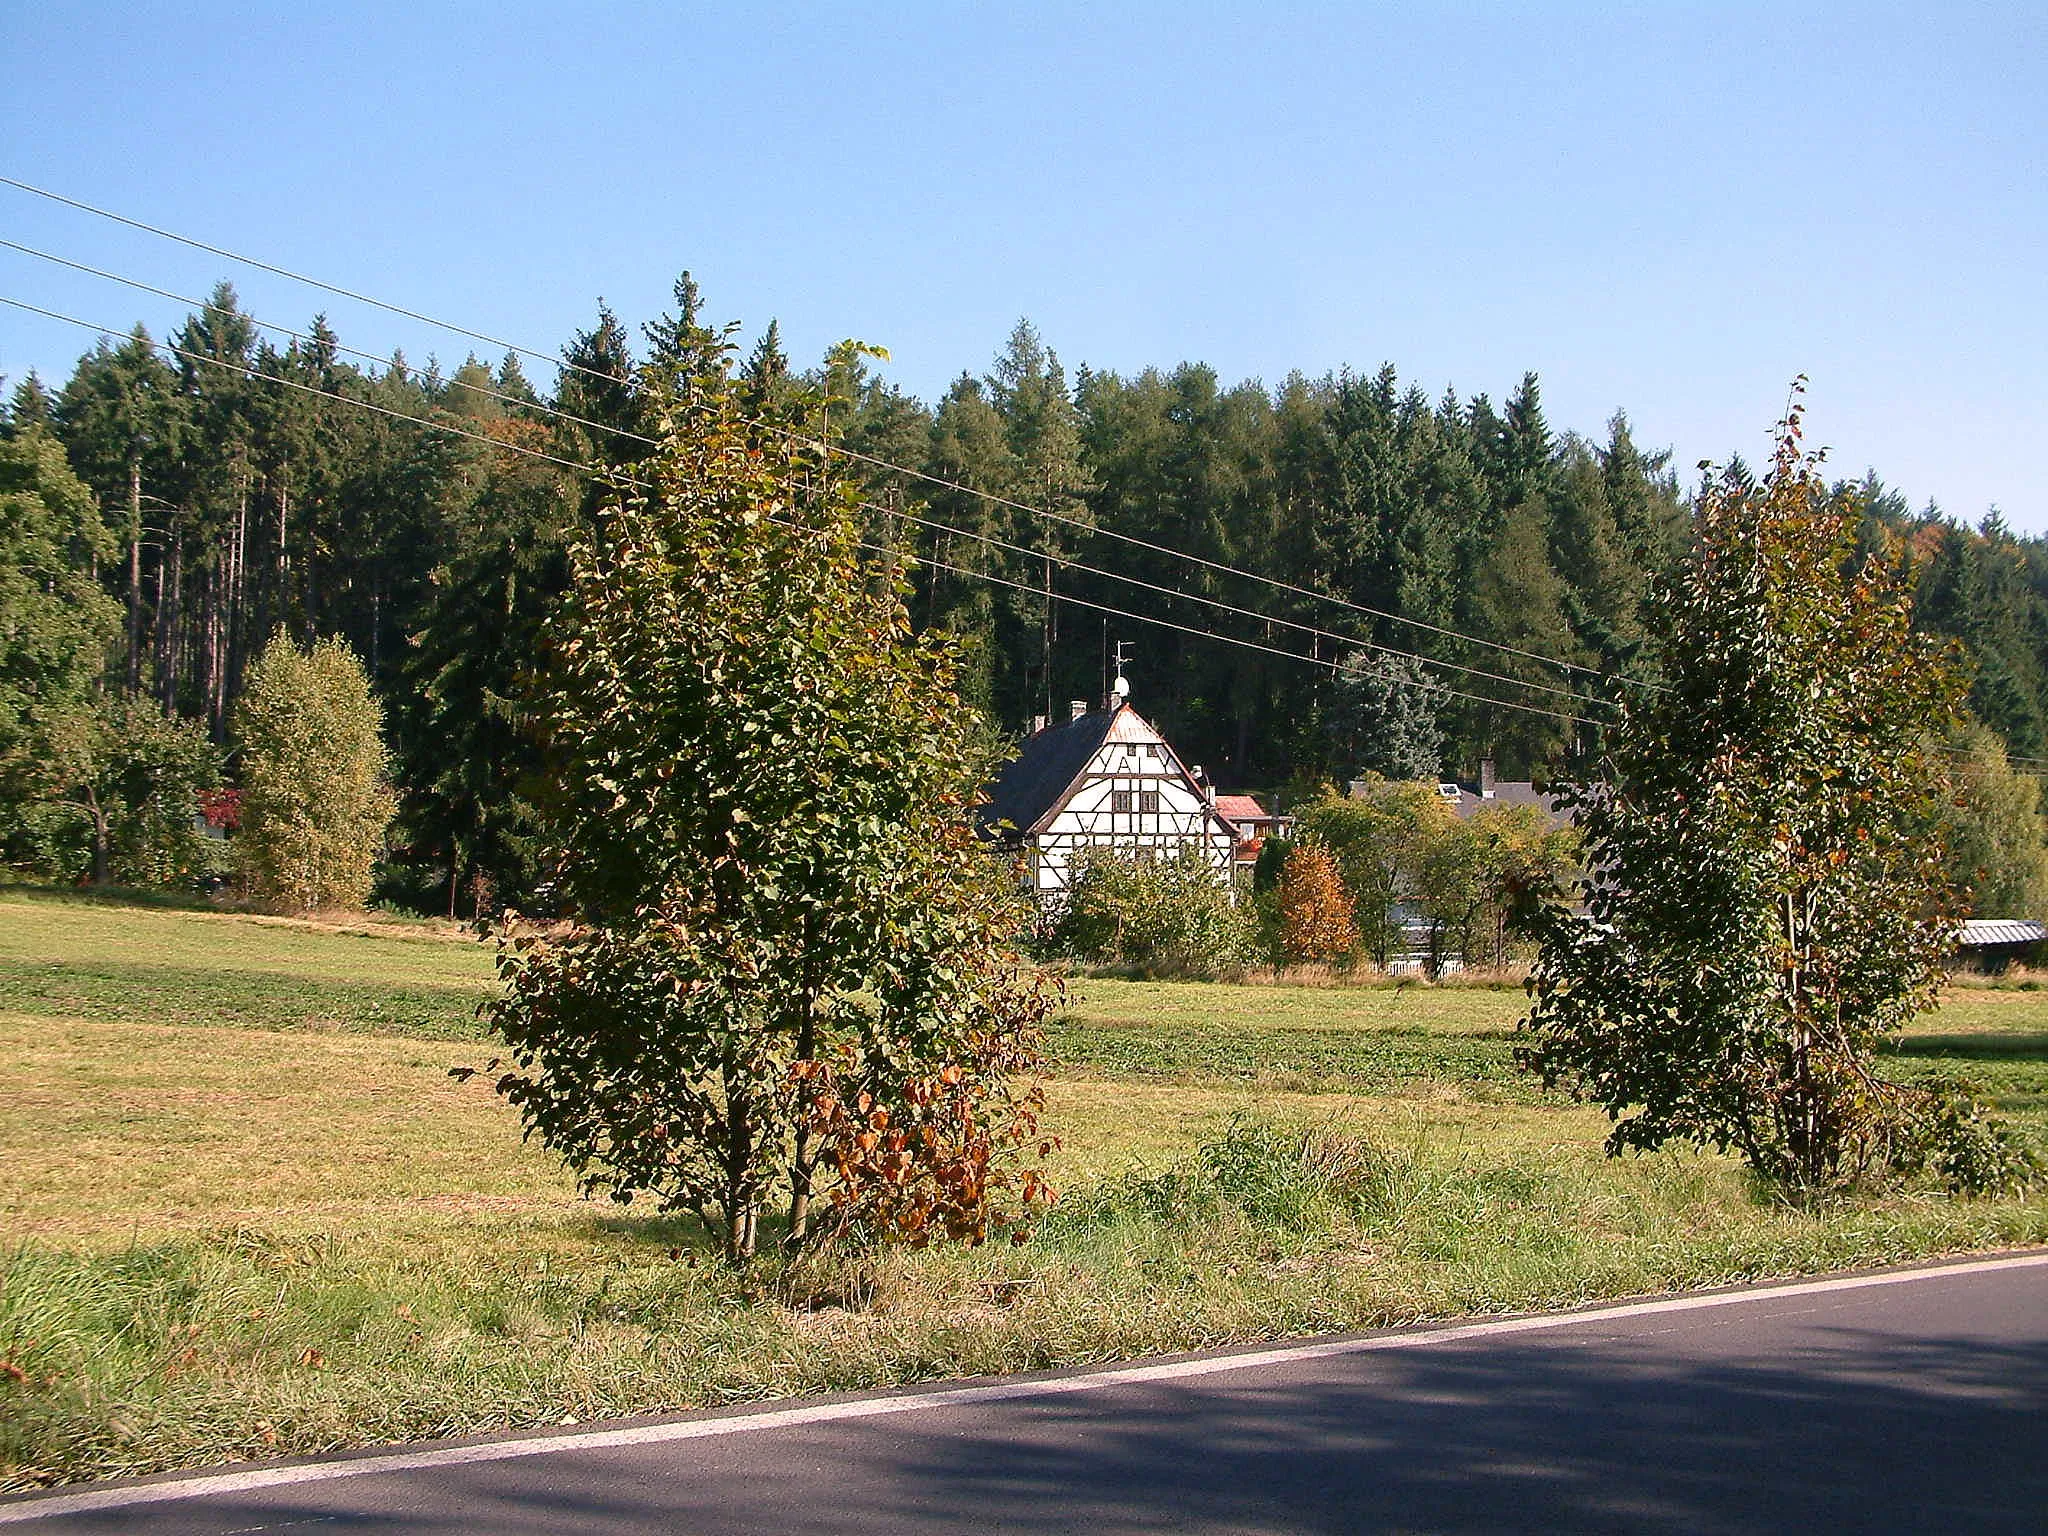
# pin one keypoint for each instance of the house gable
(1105, 780)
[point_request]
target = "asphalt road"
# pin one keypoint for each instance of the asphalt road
(1908, 1401)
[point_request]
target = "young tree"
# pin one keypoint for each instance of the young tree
(1315, 912)
(1767, 904)
(787, 935)
(315, 803)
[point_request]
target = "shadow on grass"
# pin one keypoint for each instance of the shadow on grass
(115, 896)
(1983, 1045)
(645, 1228)
(110, 991)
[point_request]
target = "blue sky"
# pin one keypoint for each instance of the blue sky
(1666, 209)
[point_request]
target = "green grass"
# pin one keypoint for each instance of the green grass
(248, 1213)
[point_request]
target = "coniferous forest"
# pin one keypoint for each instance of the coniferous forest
(250, 483)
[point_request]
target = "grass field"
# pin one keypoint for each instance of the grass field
(247, 1212)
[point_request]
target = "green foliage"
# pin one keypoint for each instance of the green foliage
(467, 758)
(758, 822)
(1993, 829)
(1379, 838)
(1768, 906)
(315, 804)
(56, 625)
(1385, 718)
(120, 792)
(1479, 877)
(1154, 917)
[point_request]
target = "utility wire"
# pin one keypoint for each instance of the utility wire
(1065, 562)
(610, 475)
(854, 454)
(515, 401)
(600, 473)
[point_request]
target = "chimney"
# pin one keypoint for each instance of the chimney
(1486, 778)
(1079, 707)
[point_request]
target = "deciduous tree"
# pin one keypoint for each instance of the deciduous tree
(1767, 904)
(315, 802)
(1316, 925)
(786, 932)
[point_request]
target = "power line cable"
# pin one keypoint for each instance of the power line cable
(515, 401)
(1065, 562)
(612, 475)
(601, 473)
(854, 454)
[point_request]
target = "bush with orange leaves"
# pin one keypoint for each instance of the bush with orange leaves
(1316, 918)
(946, 1156)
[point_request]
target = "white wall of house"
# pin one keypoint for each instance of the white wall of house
(1134, 797)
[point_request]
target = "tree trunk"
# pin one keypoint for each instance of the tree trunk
(170, 617)
(134, 572)
(804, 1157)
(98, 813)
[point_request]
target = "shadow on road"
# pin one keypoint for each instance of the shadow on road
(1841, 1431)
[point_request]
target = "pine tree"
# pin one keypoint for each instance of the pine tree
(1385, 718)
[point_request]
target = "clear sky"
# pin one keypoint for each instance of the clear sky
(1668, 209)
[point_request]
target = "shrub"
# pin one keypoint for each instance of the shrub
(1173, 917)
(315, 803)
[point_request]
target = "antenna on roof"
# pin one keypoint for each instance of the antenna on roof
(1120, 690)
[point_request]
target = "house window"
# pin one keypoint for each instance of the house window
(1148, 800)
(1119, 801)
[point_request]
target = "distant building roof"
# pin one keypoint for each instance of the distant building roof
(1242, 808)
(1037, 781)
(1469, 799)
(1984, 932)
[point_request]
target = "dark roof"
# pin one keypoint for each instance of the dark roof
(1041, 772)
(1468, 800)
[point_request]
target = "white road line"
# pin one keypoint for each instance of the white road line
(211, 1483)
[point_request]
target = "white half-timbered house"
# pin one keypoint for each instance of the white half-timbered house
(1105, 779)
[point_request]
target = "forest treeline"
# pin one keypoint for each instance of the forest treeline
(247, 484)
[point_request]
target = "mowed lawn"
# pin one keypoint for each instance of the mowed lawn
(247, 1211)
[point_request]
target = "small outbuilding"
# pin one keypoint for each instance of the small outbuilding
(1994, 944)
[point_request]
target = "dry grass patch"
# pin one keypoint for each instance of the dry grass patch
(109, 1130)
(1210, 1005)
(236, 1240)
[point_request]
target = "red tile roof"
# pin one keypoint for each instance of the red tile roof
(1240, 808)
